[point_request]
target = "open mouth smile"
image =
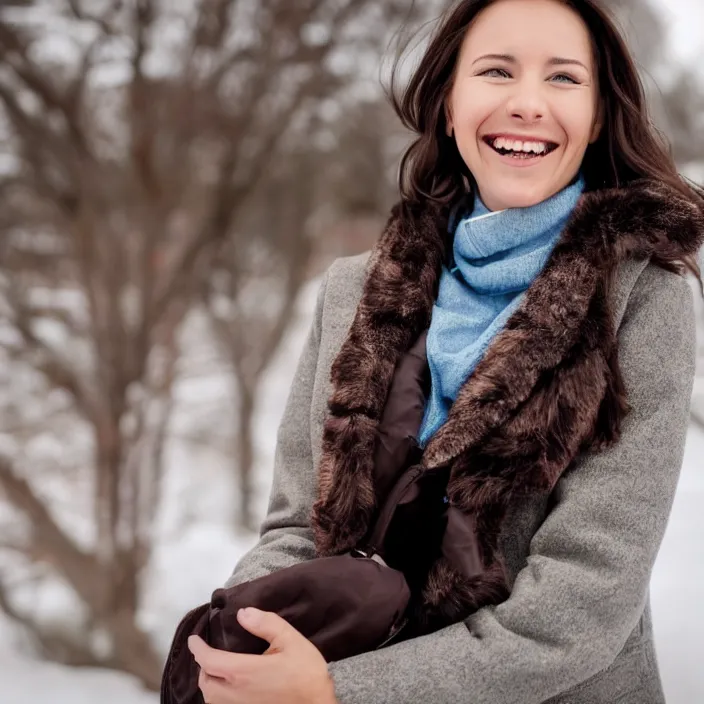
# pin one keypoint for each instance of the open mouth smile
(520, 149)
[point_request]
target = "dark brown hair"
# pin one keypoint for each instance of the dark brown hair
(628, 148)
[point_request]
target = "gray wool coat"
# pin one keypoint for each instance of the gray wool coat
(576, 628)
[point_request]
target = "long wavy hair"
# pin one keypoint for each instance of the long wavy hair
(629, 147)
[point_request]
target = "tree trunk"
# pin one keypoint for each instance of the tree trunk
(134, 652)
(244, 457)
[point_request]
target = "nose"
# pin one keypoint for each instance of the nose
(527, 103)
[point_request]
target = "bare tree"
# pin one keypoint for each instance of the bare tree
(132, 165)
(295, 223)
(259, 270)
(250, 297)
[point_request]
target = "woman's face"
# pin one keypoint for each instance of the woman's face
(524, 104)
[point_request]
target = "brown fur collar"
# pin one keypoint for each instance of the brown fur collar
(548, 386)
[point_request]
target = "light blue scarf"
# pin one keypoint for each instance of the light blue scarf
(497, 255)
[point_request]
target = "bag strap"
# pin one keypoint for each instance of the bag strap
(381, 527)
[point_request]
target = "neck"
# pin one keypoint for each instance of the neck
(486, 207)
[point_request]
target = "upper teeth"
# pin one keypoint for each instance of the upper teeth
(518, 146)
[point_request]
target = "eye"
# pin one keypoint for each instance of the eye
(496, 73)
(563, 77)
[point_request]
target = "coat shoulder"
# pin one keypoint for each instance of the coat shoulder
(657, 334)
(344, 284)
(642, 283)
(667, 296)
(345, 280)
(666, 284)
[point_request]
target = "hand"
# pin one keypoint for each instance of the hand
(291, 671)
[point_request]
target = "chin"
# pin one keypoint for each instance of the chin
(518, 197)
(524, 199)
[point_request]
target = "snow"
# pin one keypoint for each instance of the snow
(25, 681)
(677, 584)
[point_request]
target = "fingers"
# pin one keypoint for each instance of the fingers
(268, 626)
(215, 663)
(214, 690)
(223, 664)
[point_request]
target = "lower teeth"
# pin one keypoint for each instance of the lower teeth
(523, 155)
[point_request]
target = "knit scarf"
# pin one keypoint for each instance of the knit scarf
(496, 257)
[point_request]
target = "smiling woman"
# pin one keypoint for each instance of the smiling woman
(520, 344)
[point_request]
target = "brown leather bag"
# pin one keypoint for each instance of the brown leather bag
(345, 605)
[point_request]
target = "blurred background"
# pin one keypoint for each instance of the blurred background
(175, 175)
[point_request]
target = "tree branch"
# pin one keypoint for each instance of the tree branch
(104, 22)
(17, 59)
(106, 28)
(51, 541)
(56, 370)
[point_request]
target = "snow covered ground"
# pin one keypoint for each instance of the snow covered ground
(677, 586)
(210, 550)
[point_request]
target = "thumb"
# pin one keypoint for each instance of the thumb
(268, 626)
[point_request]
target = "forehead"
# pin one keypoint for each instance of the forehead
(527, 29)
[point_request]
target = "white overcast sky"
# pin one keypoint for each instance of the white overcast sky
(685, 21)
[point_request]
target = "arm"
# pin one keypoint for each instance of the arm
(585, 583)
(286, 537)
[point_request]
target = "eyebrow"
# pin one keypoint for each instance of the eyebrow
(554, 61)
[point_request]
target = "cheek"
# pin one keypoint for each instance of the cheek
(577, 121)
(471, 109)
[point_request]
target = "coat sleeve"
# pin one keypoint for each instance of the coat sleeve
(286, 537)
(585, 582)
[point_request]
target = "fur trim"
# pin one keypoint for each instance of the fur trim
(548, 386)
(399, 293)
(449, 596)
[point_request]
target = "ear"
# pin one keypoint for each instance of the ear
(598, 123)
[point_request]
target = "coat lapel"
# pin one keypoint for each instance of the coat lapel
(567, 304)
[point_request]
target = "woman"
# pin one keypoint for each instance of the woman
(540, 241)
